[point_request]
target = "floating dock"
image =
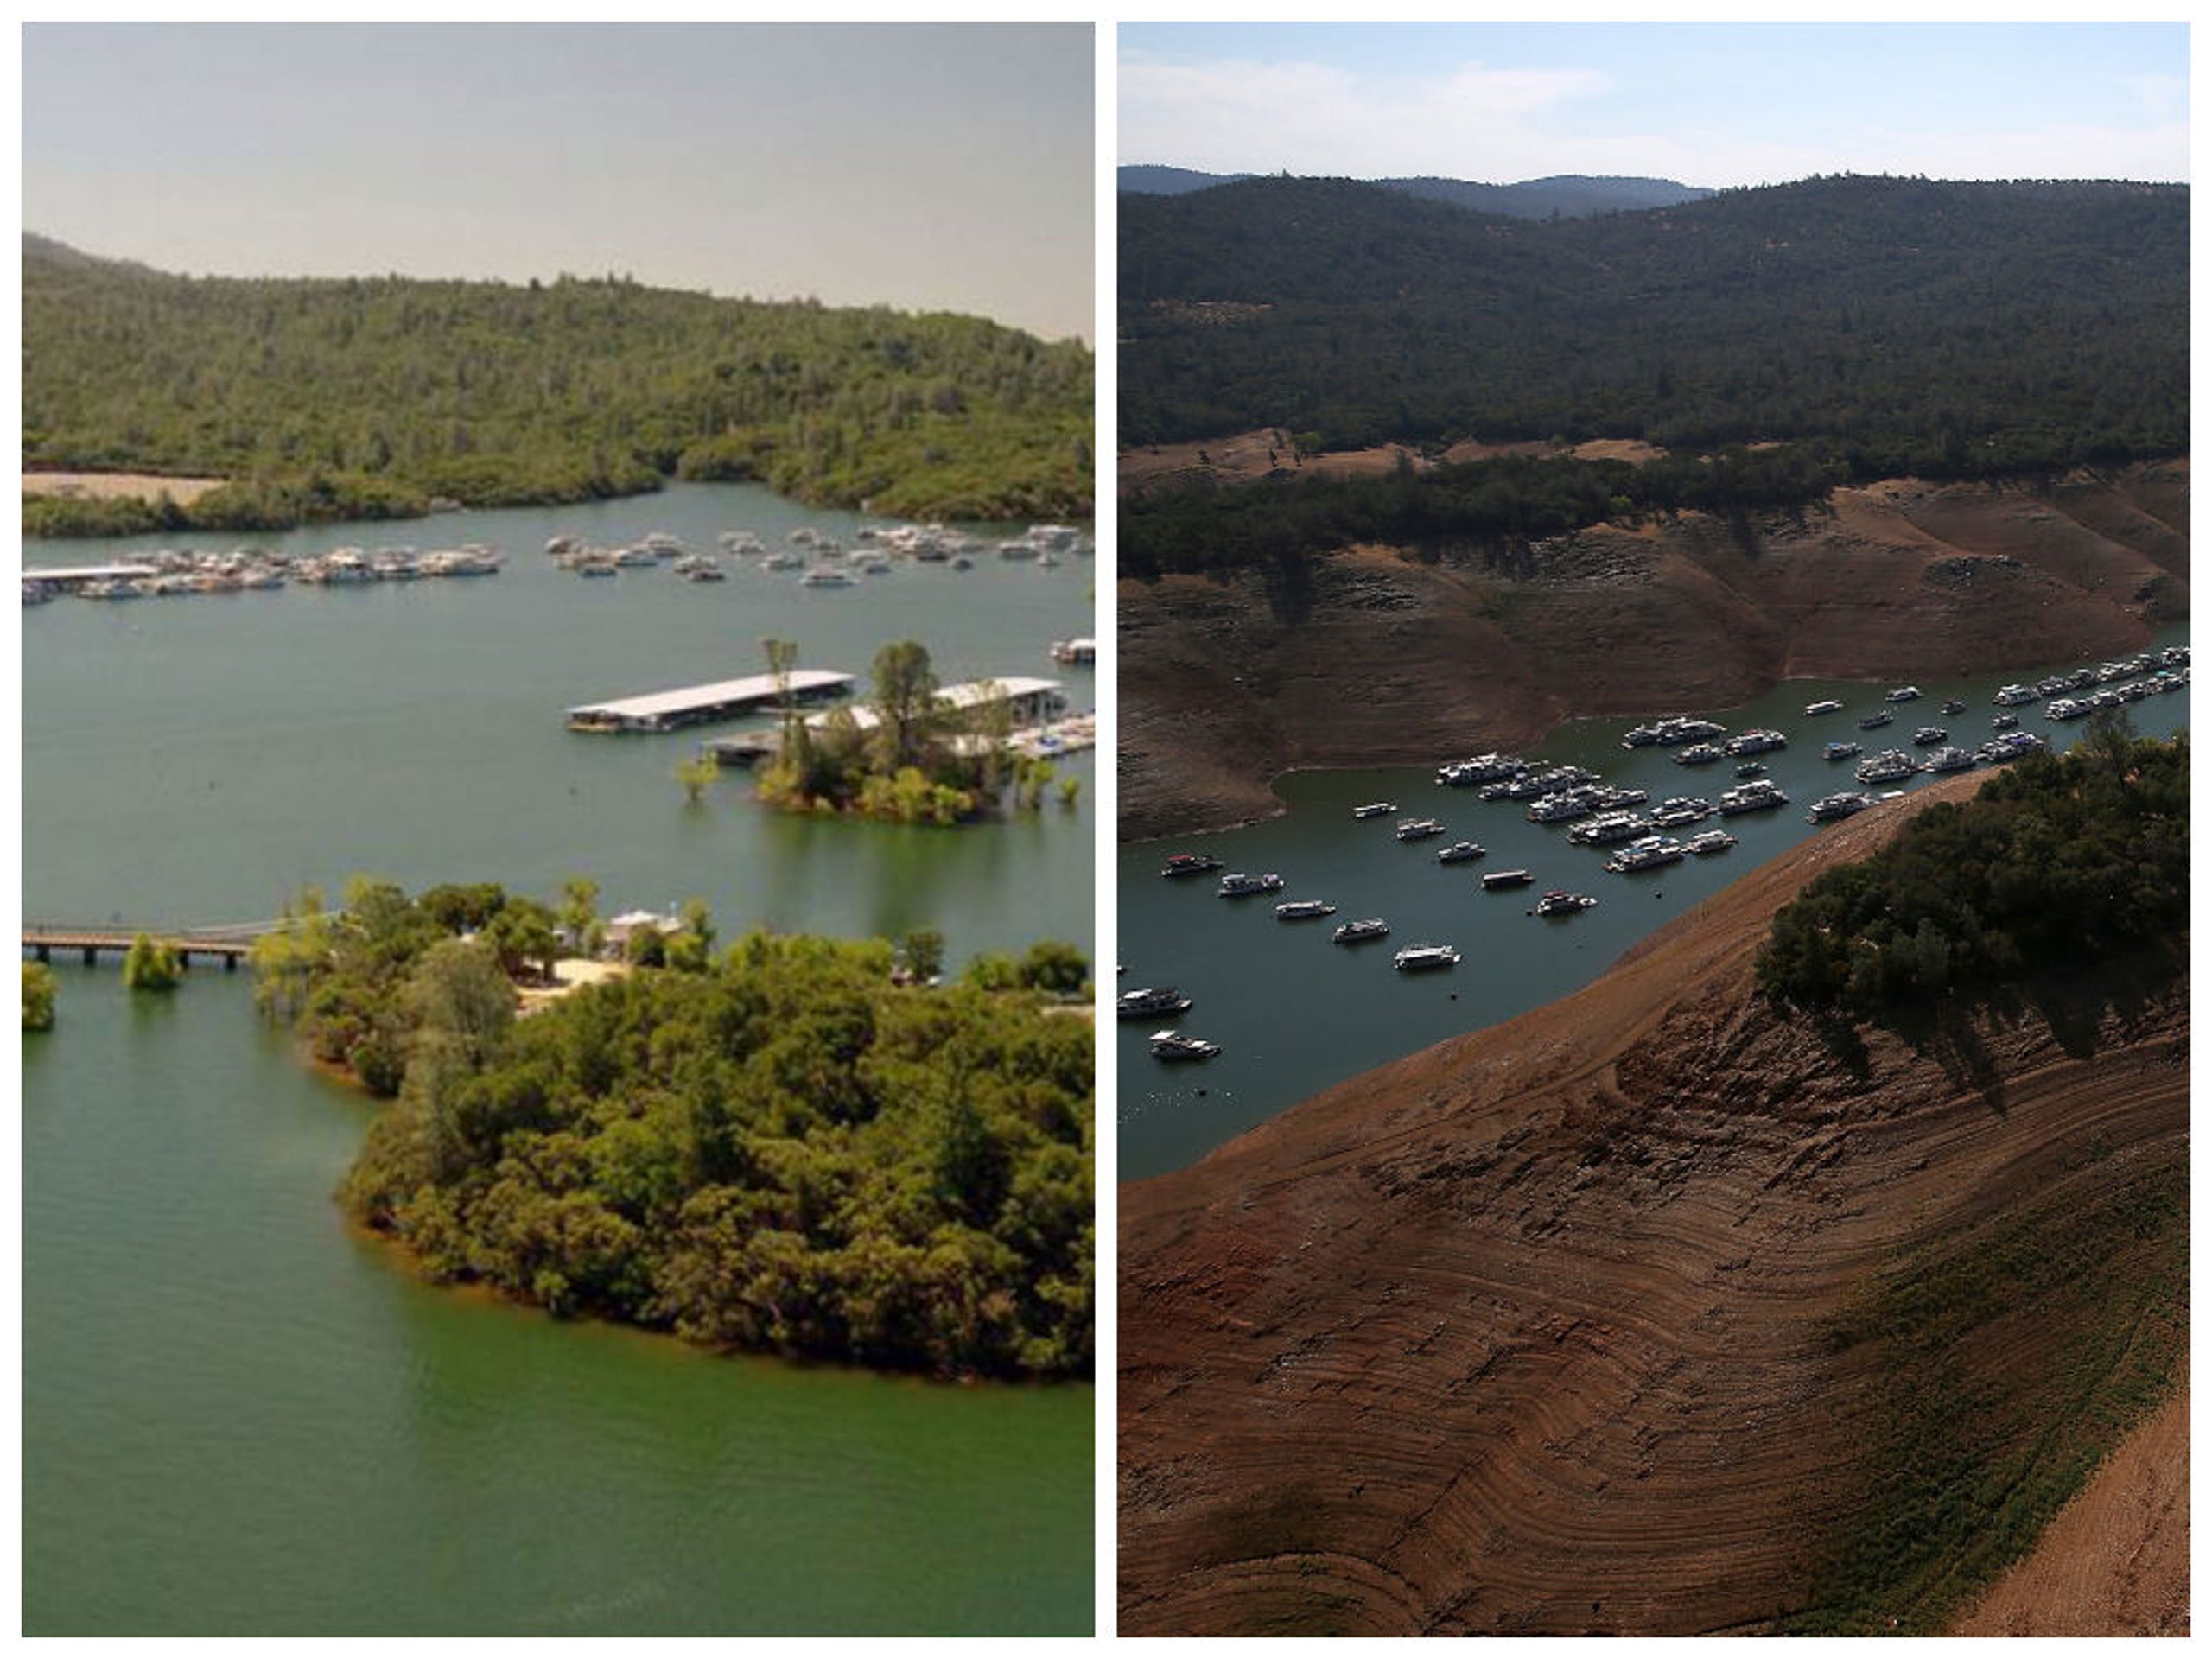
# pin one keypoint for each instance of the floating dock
(695, 705)
(1029, 701)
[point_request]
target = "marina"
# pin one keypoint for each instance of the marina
(1292, 1017)
(695, 705)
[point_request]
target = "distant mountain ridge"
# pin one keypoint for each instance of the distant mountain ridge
(1564, 196)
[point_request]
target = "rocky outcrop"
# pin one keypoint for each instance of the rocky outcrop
(1395, 660)
(1534, 1331)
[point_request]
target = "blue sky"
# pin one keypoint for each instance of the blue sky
(1706, 103)
(929, 167)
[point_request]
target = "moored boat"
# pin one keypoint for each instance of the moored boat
(1162, 999)
(1758, 740)
(1370, 927)
(1558, 902)
(1841, 804)
(1302, 910)
(1680, 809)
(1890, 766)
(1460, 852)
(1415, 957)
(1755, 797)
(1499, 878)
(1375, 809)
(1173, 1046)
(1648, 853)
(1190, 864)
(1237, 885)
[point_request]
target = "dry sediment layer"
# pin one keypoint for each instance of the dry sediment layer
(1524, 1333)
(1401, 661)
(2115, 1561)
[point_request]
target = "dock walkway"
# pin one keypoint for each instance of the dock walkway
(694, 705)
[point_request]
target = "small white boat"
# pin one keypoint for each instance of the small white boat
(1171, 1046)
(1237, 885)
(1299, 910)
(1163, 999)
(1417, 957)
(1371, 927)
(1558, 902)
(1375, 809)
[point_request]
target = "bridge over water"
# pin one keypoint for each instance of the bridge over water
(227, 943)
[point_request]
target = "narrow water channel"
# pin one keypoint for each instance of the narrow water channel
(1294, 1012)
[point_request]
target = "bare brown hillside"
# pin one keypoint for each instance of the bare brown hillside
(1402, 661)
(1534, 1331)
(2116, 1561)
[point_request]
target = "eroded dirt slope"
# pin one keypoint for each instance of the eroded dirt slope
(1396, 660)
(2115, 1562)
(1527, 1333)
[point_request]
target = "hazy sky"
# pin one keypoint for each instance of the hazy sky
(927, 167)
(1713, 105)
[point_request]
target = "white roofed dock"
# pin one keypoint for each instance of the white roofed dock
(694, 705)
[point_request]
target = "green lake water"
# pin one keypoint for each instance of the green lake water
(237, 1417)
(1294, 1012)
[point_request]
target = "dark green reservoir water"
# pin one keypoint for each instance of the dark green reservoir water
(237, 1416)
(1294, 1012)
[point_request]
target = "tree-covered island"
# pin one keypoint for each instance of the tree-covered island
(782, 1147)
(910, 754)
(375, 398)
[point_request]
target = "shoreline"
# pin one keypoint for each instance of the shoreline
(85, 488)
(1481, 1147)
(1390, 759)
(1396, 657)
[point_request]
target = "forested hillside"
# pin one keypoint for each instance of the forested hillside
(1900, 325)
(772, 1146)
(374, 395)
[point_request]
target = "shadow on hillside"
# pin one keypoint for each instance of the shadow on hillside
(2074, 1006)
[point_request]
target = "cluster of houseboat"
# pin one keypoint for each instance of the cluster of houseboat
(820, 559)
(174, 571)
(1637, 835)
